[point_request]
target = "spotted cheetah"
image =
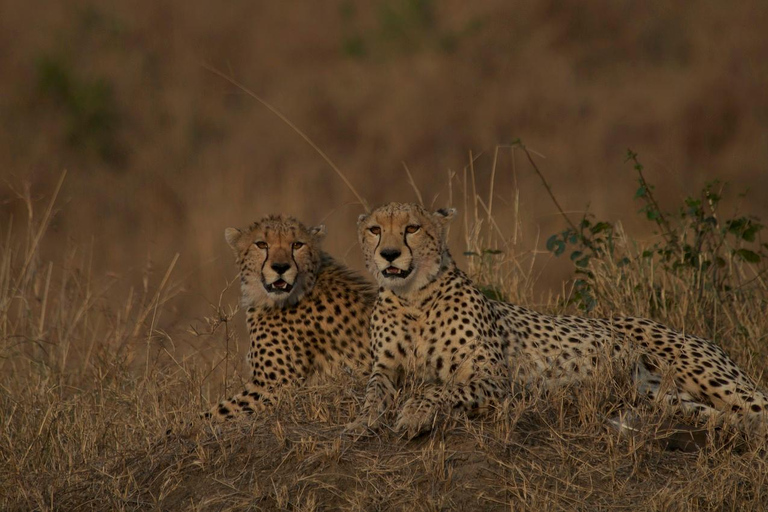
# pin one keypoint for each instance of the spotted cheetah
(430, 318)
(306, 313)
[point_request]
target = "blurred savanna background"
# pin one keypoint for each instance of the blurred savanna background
(411, 100)
(162, 154)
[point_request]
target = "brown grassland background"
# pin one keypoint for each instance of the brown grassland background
(116, 320)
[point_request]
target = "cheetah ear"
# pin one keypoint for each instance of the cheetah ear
(318, 231)
(444, 215)
(362, 218)
(232, 236)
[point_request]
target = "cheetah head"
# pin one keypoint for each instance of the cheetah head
(278, 258)
(404, 245)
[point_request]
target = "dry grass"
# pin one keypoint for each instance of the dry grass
(89, 384)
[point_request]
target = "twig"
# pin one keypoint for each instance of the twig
(549, 189)
(661, 220)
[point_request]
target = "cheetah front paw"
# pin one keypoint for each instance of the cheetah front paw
(418, 416)
(370, 418)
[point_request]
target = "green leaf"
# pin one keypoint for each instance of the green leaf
(576, 255)
(748, 256)
(652, 214)
(583, 262)
(551, 241)
(600, 227)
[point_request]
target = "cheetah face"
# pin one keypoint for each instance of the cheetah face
(278, 259)
(404, 244)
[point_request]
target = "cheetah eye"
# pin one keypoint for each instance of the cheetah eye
(376, 230)
(298, 245)
(412, 228)
(261, 245)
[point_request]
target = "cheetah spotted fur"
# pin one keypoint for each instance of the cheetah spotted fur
(306, 313)
(430, 318)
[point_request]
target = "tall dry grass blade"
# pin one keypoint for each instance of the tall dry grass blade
(149, 307)
(5, 278)
(44, 306)
(413, 185)
(490, 191)
(515, 198)
(491, 222)
(295, 128)
(42, 228)
(474, 189)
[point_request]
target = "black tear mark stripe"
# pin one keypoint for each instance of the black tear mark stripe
(405, 241)
(266, 259)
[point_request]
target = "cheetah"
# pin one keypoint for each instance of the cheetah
(306, 313)
(471, 350)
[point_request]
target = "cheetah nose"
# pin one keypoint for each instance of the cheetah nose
(280, 268)
(390, 254)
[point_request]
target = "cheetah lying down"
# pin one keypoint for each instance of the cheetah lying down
(431, 317)
(306, 314)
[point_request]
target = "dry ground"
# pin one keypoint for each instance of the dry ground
(89, 384)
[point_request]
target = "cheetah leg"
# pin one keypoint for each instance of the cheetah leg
(249, 401)
(419, 412)
(479, 383)
(379, 395)
(709, 383)
(648, 384)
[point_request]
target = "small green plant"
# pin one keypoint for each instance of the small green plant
(89, 105)
(404, 26)
(701, 240)
(696, 240)
(352, 43)
(406, 20)
(589, 240)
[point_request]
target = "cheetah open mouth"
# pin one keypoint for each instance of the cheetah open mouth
(396, 272)
(279, 286)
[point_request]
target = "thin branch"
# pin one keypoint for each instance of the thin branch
(549, 189)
